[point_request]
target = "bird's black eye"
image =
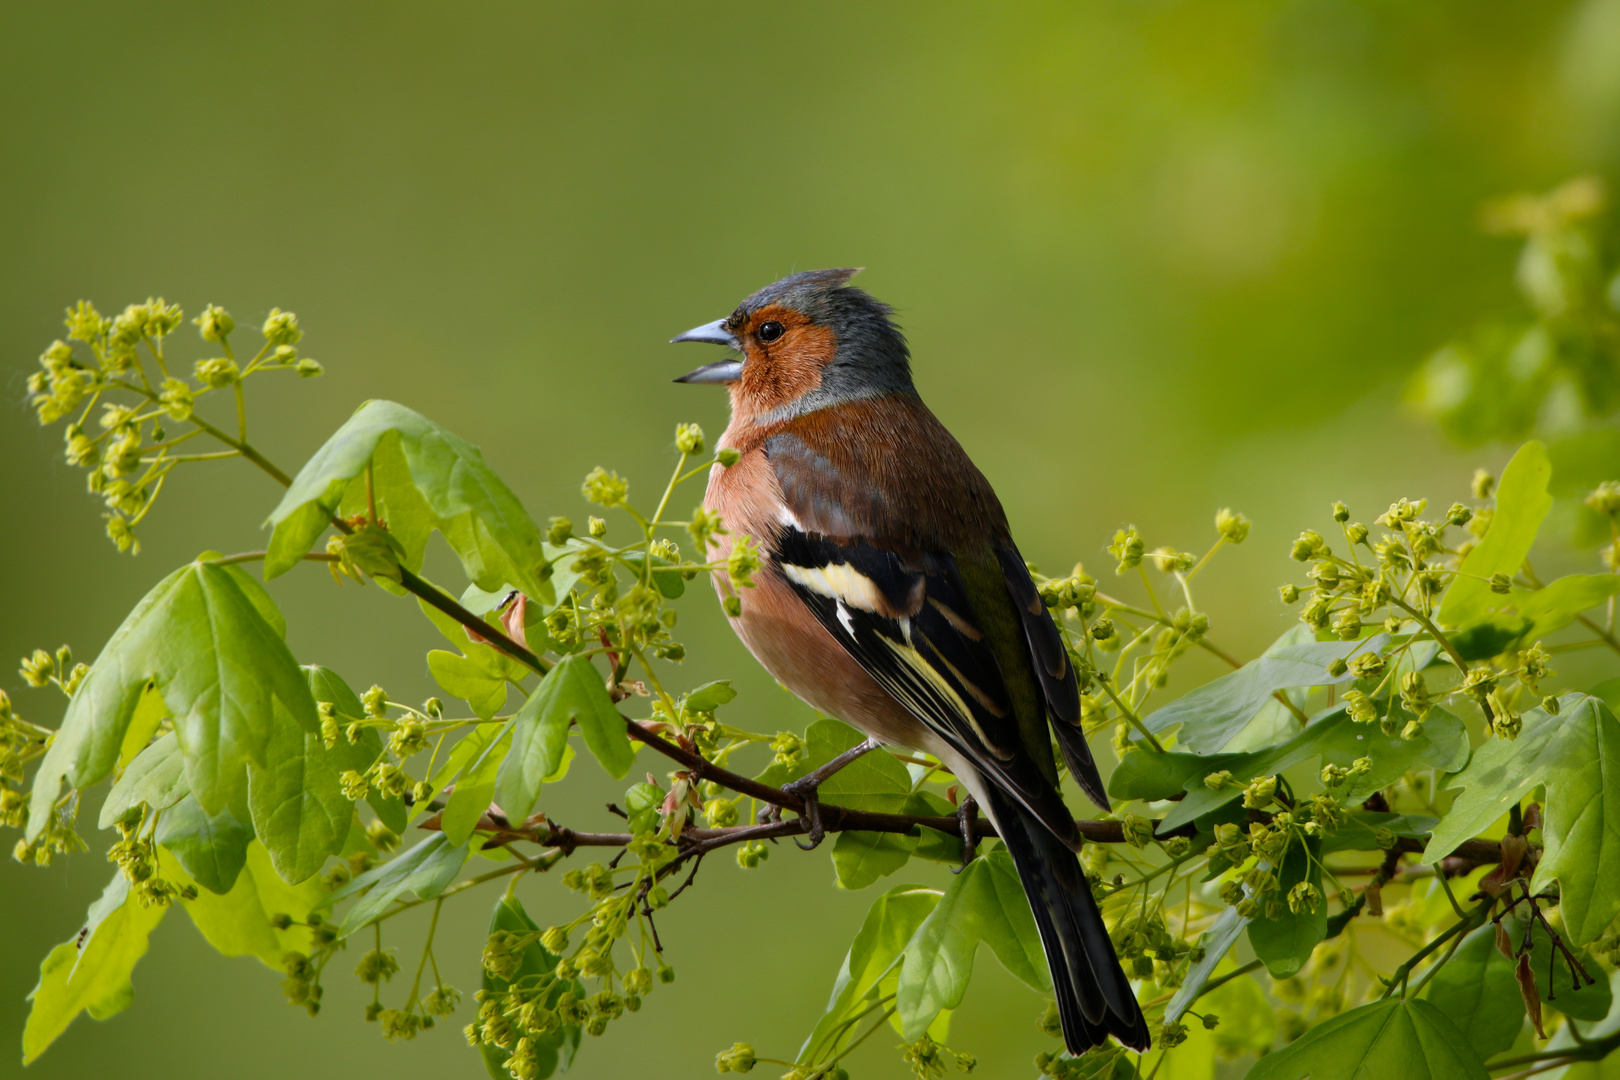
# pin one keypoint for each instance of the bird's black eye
(769, 331)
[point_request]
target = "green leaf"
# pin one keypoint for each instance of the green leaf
(1478, 991)
(1583, 1002)
(149, 716)
(1558, 602)
(710, 696)
(874, 782)
(1248, 1022)
(891, 923)
(555, 1049)
(329, 687)
(423, 478)
(221, 670)
(156, 777)
(1285, 943)
(1441, 742)
(467, 679)
(1582, 822)
(299, 809)
(487, 657)
(475, 790)
(642, 802)
(1521, 504)
(572, 691)
(1214, 713)
(238, 923)
(1216, 942)
(1576, 755)
(985, 903)
(212, 847)
(424, 870)
(1360, 828)
(92, 974)
(860, 858)
(462, 754)
(1410, 1039)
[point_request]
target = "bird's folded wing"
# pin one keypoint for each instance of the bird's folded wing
(907, 620)
(1056, 674)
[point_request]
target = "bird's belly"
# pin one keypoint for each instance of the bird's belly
(784, 637)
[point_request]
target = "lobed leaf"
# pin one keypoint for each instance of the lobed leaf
(1211, 715)
(571, 692)
(92, 972)
(554, 1050)
(1576, 755)
(156, 777)
(423, 479)
(1522, 502)
(424, 870)
(985, 903)
(1284, 943)
(1408, 1038)
(299, 810)
(221, 669)
(238, 923)
(1477, 990)
(890, 924)
(212, 847)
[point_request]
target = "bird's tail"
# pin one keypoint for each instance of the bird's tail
(1094, 998)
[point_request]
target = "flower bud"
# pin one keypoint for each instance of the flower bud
(281, 328)
(596, 527)
(215, 323)
(1356, 532)
(308, 368)
(1484, 484)
(1232, 526)
(1289, 593)
(1127, 548)
(1341, 512)
(1501, 584)
(689, 439)
(1458, 514)
(727, 457)
(1605, 498)
(176, 399)
(1337, 666)
(1307, 546)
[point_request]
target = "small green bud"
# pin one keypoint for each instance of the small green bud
(1333, 775)
(1501, 584)
(1127, 548)
(732, 606)
(1232, 526)
(1484, 484)
(560, 531)
(1260, 792)
(1289, 593)
(1356, 532)
(1360, 707)
(215, 323)
(605, 488)
(1605, 498)
(1307, 546)
(308, 368)
(1341, 512)
(739, 1059)
(1368, 665)
(727, 457)
(176, 398)
(689, 439)
(596, 527)
(1458, 514)
(1337, 666)
(1215, 781)
(1138, 830)
(375, 701)
(281, 328)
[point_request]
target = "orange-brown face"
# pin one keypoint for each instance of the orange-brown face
(786, 354)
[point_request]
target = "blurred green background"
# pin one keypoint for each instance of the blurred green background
(1153, 257)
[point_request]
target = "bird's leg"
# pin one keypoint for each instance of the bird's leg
(806, 786)
(965, 813)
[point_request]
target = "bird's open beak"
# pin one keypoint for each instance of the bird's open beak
(714, 333)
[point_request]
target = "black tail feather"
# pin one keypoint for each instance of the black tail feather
(1094, 997)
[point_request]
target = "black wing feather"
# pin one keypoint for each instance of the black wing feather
(915, 634)
(1056, 674)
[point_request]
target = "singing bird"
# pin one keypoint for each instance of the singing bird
(891, 596)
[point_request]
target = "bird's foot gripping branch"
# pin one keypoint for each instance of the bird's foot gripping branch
(1321, 856)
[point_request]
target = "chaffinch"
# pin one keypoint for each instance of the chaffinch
(891, 595)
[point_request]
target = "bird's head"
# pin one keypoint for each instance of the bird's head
(807, 342)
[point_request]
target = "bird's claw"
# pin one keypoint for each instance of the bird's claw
(815, 832)
(966, 811)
